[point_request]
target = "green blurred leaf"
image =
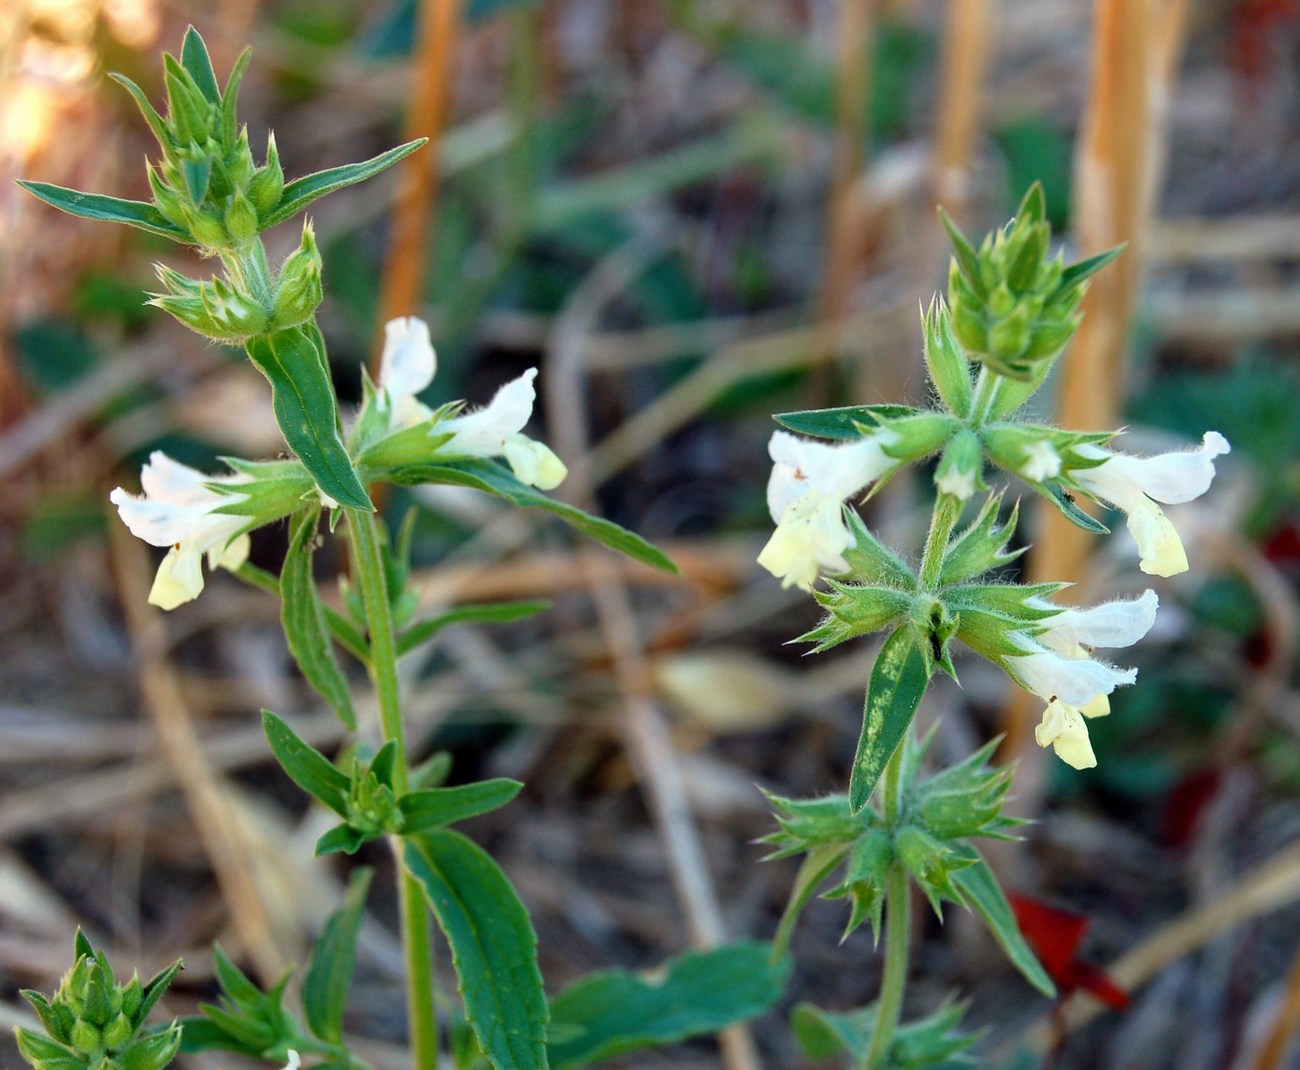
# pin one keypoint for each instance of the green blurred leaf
(299, 193)
(898, 682)
(434, 808)
(615, 1012)
(139, 214)
(493, 946)
(305, 765)
(329, 977)
(303, 619)
(307, 410)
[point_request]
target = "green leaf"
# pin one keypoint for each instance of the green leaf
(898, 680)
(197, 174)
(203, 1034)
(435, 807)
(813, 871)
(303, 618)
(1084, 269)
(234, 982)
(823, 1034)
(967, 258)
(151, 116)
(230, 97)
(842, 423)
(1064, 502)
(306, 766)
(493, 612)
(495, 479)
(138, 214)
(302, 191)
(615, 1012)
(343, 838)
(982, 894)
(329, 977)
(947, 363)
(493, 946)
(195, 59)
(307, 411)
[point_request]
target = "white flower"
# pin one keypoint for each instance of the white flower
(1063, 728)
(177, 510)
(406, 367)
(294, 1060)
(1074, 685)
(1135, 484)
(1041, 462)
(496, 431)
(1110, 625)
(960, 483)
(805, 495)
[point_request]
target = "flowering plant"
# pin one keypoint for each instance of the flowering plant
(1010, 310)
(209, 193)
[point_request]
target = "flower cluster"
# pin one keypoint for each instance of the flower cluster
(195, 515)
(1013, 310)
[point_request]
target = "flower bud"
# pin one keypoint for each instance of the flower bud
(960, 472)
(86, 1037)
(299, 293)
(1012, 307)
(118, 1032)
(46, 1054)
(241, 218)
(152, 1052)
(268, 183)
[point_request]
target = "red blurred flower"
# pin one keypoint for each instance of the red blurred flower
(1055, 936)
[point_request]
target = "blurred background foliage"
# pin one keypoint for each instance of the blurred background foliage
(690, 214)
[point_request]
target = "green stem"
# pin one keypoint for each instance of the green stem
(898, 925)
(417, 938)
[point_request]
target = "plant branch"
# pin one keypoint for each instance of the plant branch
(417, 938)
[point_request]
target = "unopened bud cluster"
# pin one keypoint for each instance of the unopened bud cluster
(94, 1023)
(1012, 307)
(206, 182)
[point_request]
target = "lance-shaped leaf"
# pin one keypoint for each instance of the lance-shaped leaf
(497, 480)
(492, 612)
(139, 214)
(980, 890)
(1065, 504)
(302, 191)
(435, 808)
(329, 977)
(306, 766)
(307, 410)
(615, 1012)
(844, 423)
(195, 59)
(303, 618)
(898, 680)
(493, 946)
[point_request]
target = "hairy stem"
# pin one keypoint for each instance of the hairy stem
(417, 941)
(898, 928)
